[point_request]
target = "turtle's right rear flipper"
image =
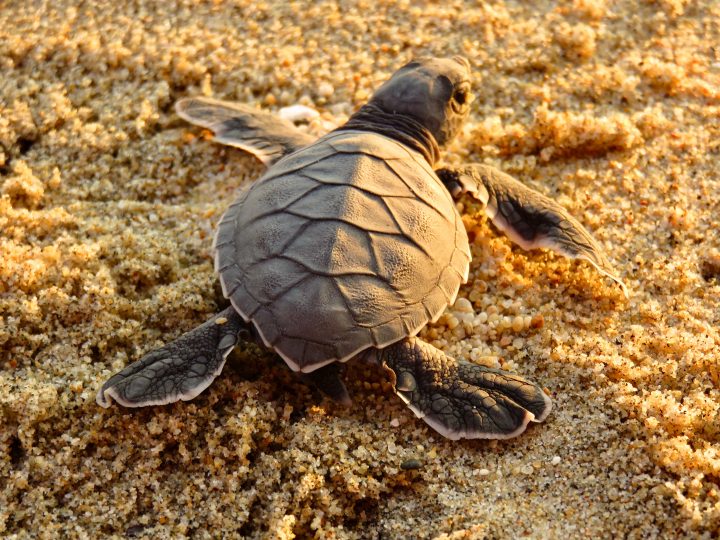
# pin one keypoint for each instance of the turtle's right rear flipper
(459, 399)
(266, 136)
(178, 371)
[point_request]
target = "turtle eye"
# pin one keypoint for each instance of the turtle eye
(460, 96)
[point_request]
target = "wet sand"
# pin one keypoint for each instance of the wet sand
(107, 207)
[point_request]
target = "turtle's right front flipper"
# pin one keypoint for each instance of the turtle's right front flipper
(178, 371)
(529, 218)
(266, 136)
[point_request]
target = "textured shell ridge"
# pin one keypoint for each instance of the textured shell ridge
(339, 247)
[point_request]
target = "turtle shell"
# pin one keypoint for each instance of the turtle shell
(349, 243)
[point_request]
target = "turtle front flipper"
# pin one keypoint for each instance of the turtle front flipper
(530, 219)
(178, 371)
(461, 400)
(266, 136)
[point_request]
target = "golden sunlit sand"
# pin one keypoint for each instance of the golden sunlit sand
(107, 207)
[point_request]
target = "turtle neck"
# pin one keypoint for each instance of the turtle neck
(401, 127)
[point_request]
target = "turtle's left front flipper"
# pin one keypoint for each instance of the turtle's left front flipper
(529, 218)
(266, 136)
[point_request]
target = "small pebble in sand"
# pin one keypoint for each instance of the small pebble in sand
(298, 113)
(518, 323)
(463, 305)
(537, 321)
(481, 318)
(325, 89)
(411, 464)
(452, 322)
(555, 460)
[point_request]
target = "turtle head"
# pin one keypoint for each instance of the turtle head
(432, 91)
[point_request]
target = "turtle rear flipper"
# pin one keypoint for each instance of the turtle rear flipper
(327, 380)
(528, 217)
(178, 371)
(459, 399)
(266, 136)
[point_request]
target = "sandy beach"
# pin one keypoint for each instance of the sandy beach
(108, 203)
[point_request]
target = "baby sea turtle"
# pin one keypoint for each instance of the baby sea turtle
(349, 244)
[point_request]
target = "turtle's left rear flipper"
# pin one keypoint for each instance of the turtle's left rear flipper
(178, 371)
(529, 218)
(262, 134)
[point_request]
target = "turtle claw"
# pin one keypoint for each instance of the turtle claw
(178, 371)
(461, 400)
(529, 218)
